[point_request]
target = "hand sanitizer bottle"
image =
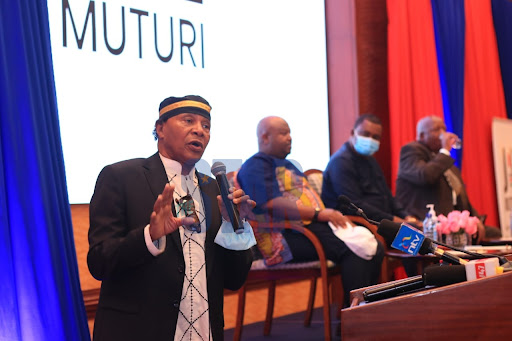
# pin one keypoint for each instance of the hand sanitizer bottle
(430, 223)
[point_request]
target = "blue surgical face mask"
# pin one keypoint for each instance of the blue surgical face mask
(366, 145)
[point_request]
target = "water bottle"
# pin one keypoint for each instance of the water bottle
(430, 223)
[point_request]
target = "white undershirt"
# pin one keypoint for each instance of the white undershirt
(193, 317)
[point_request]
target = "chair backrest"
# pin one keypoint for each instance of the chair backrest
(275, 250)
(270, 241)
(231, 176)
(315, 178)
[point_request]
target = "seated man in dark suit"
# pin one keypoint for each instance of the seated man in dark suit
(283, 193)
(427, 175)
(354, 172)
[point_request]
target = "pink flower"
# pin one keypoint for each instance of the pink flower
(454, 216)
(455, 221)
(442, 225)
(453, 225)
(463, 218)
(472, 225)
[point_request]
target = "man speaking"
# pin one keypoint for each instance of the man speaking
(158, 241)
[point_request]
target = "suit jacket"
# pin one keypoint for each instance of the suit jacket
(361, 179)
(140, 294)
(421, 181)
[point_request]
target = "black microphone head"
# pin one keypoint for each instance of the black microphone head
(440, 275)
(344, 200)
(388, 230)
(218, 168)
(426, 247)
(344, 205)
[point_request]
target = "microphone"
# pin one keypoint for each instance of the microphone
(404, 237)
(407, 239)
(438, 276)
(435, 275)
(389, 230)
(343, 200)
(393, 289)
(219, 170)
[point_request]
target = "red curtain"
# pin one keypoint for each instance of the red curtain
(483, 100)
(414, 88)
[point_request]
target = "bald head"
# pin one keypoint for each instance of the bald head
(425, 124)
(274, 137)
(267, 124)
(429, 130)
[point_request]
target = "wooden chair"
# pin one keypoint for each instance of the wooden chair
(323, 269)
(385, 269)
(315, 179)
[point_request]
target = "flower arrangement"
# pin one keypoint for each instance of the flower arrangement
(457, 222)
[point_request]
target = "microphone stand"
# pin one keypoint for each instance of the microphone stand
(345, 201)
(503, 260)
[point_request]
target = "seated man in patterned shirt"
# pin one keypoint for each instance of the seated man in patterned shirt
(283, 193)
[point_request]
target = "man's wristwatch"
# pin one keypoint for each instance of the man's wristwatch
(315, 217)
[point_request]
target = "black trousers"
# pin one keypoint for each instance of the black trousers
(356, 272)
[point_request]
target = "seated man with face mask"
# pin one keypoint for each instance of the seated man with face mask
(354, 172)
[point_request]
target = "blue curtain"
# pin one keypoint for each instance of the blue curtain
(40, 296)
(502, 13)
(449, 27)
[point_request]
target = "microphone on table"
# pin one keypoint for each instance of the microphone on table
(389, 230)
(415, 242)
(407, 239)
(437, 276)
(219, 170)
(410, 240)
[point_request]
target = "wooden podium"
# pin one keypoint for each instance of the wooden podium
(475, 310)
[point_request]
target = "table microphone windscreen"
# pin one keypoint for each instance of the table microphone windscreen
(440, 275)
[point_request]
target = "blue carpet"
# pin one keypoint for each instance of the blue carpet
(289, 327)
